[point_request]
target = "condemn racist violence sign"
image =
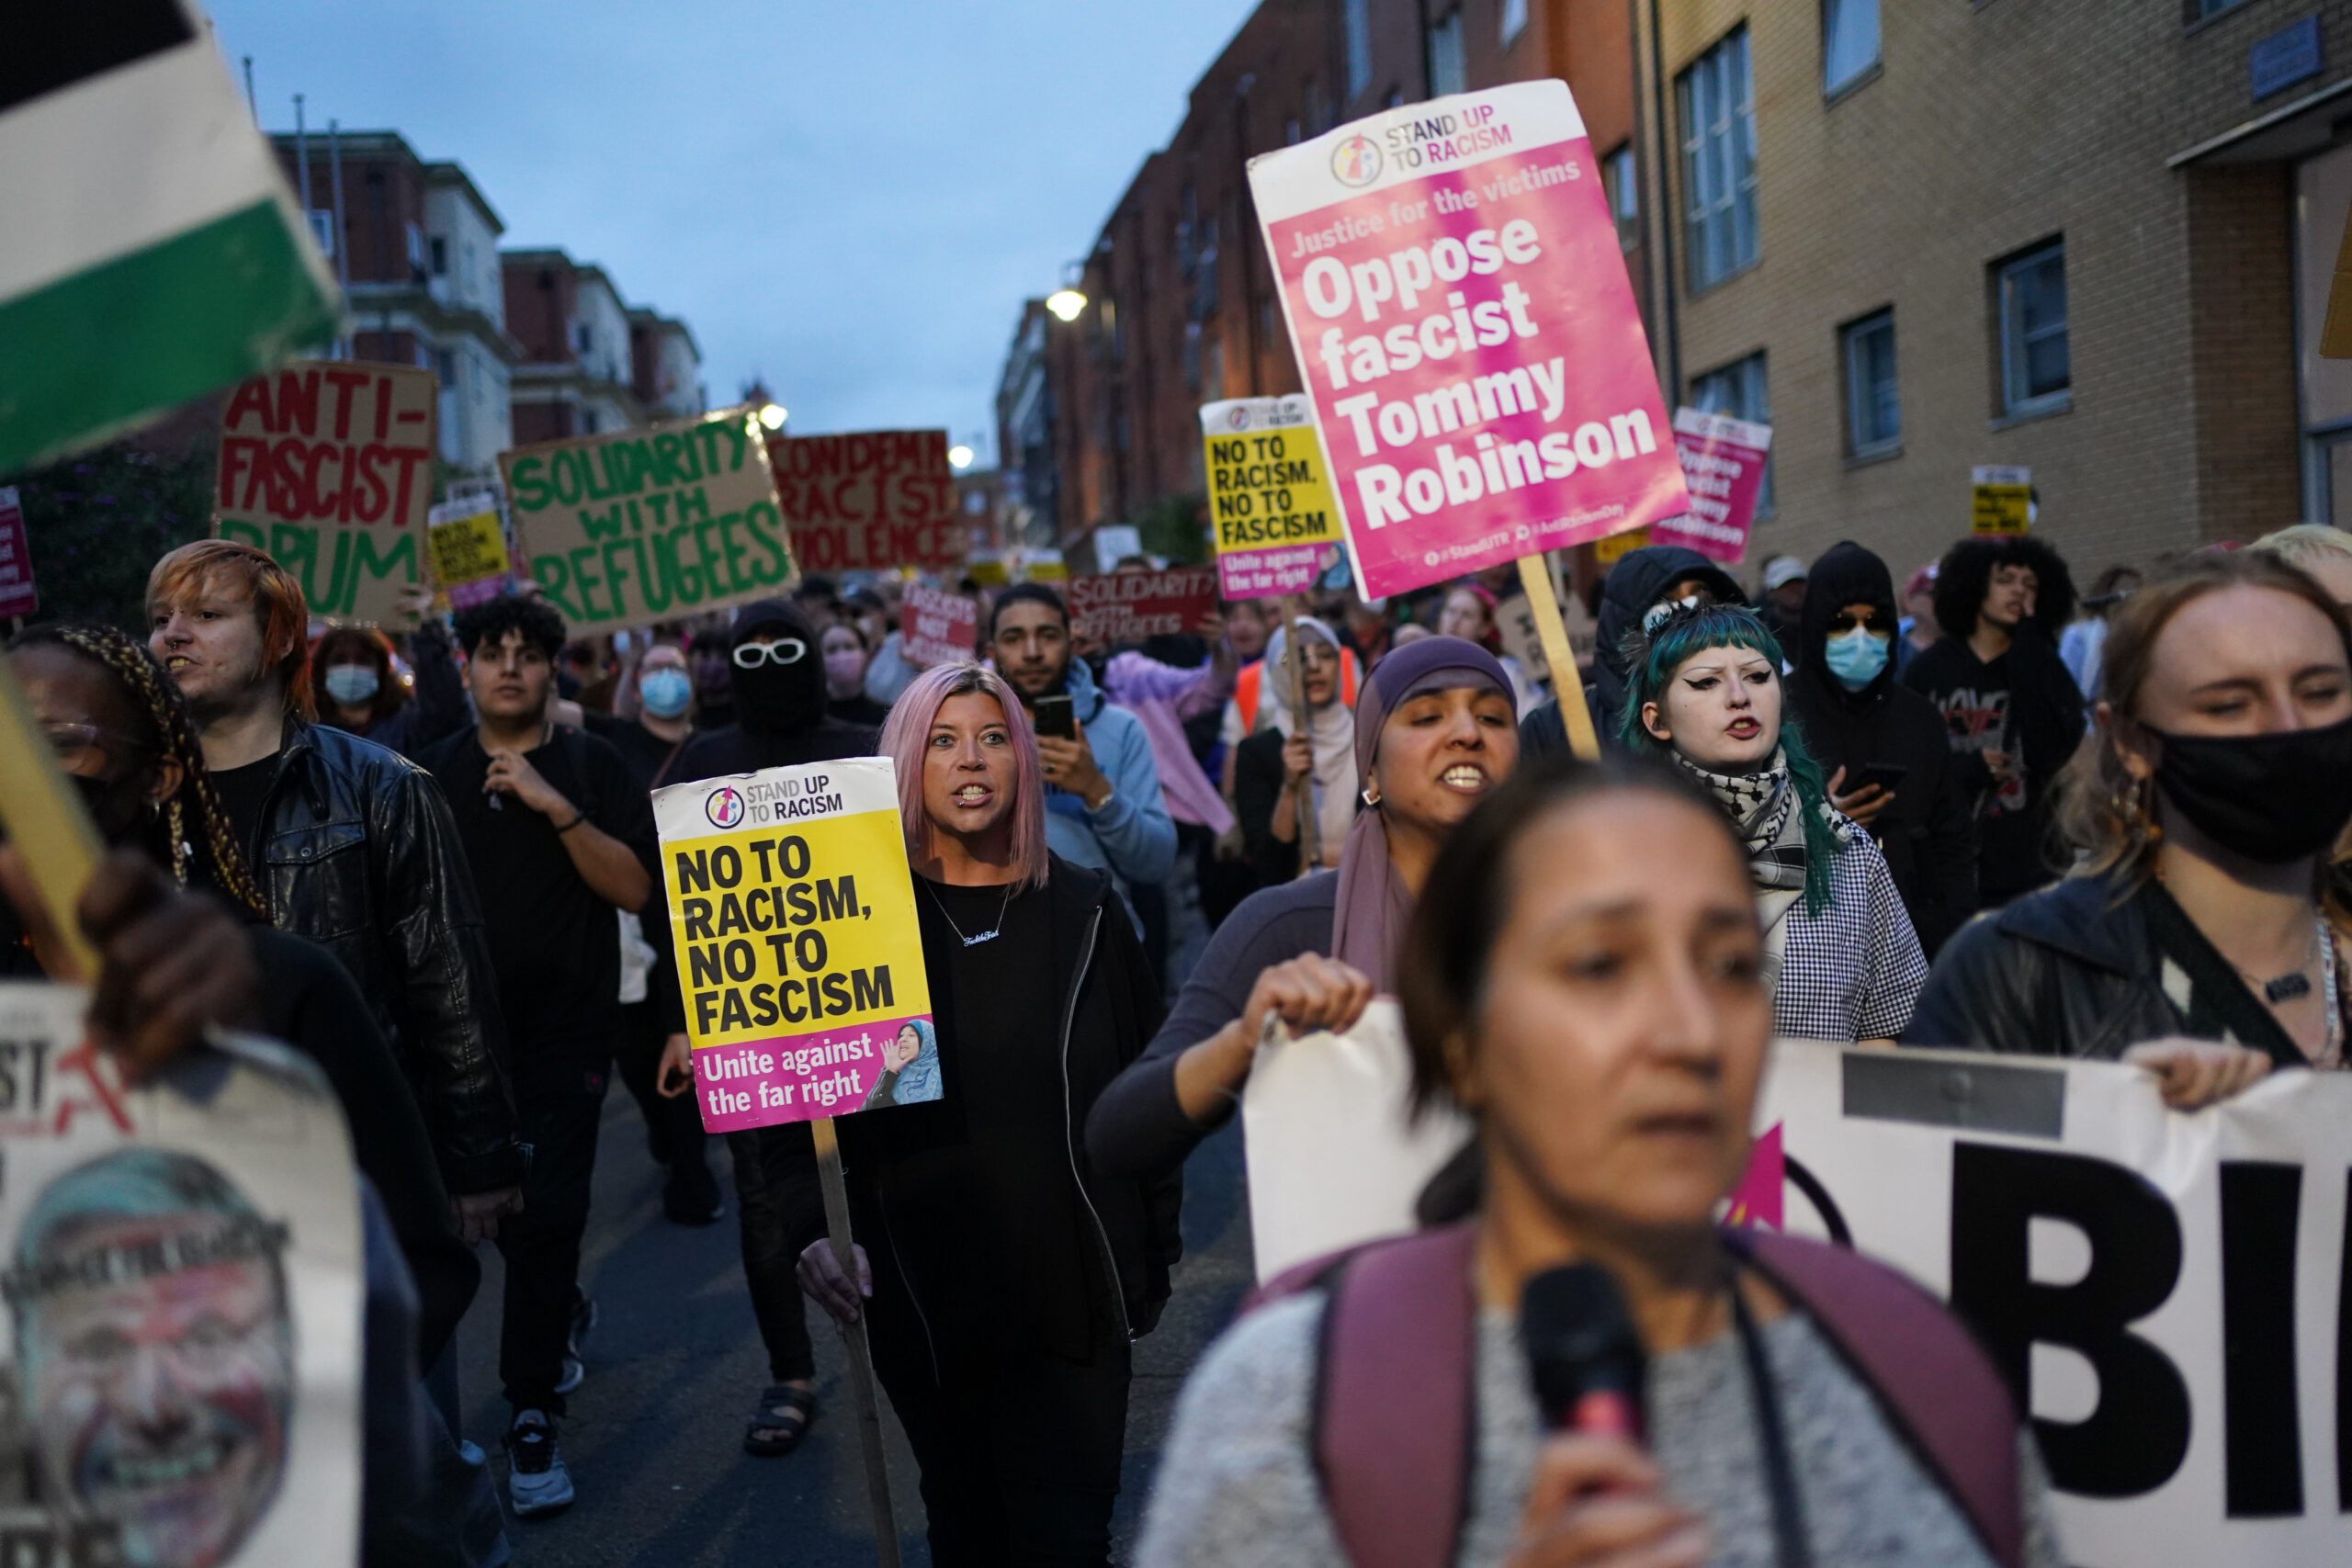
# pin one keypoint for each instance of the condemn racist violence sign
(2168, 1290)
(328, 465)
(1457, 300)
(649, 524)
(868, 502)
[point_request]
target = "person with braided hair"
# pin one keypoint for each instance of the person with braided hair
(351, 845)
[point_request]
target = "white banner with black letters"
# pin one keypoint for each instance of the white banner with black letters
(2169, 1287)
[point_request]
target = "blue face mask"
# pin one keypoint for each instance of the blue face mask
(351, 684)
(1857, 656)
(665, 691)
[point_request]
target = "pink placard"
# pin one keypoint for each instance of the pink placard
(1462, 316)
(16, 595)
(936, 626)
(1723, 463)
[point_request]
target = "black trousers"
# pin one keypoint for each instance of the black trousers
(779, 1209)
(1019, 1453)
(674, 1125)
(559, 1099)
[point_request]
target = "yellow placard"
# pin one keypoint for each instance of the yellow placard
(468, 549)
(1610, 548)
(799, 956)
(2001, 501)
(1271, 515)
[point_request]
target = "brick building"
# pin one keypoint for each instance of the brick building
(1097, 416)
(417, 252)
(2066, 238)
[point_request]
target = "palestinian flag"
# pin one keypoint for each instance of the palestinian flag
(148, 249)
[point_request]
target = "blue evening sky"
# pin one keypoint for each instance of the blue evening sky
(848, 199)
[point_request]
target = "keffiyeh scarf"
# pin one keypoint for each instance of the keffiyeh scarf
(1763, 811)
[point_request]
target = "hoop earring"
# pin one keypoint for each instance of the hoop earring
(1372, 794)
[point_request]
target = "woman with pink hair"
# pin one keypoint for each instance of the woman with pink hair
(1002, 1277)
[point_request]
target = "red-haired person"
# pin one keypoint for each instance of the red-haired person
(1002, 1276)
(353, 847)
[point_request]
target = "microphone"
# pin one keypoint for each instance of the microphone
(1585, 1352)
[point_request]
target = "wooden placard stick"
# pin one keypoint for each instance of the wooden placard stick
(46, 821)
(861, 1358)
(1310, 839)
(1535, 577)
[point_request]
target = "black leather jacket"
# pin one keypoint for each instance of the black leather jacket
(356, 851)
(2065, 972)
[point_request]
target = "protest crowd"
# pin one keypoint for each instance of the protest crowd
(933, 920)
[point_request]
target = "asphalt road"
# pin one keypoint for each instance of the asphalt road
(655, 1436)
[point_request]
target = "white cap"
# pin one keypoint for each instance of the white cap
(1781, 571)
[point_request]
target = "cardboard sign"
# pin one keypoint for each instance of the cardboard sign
(1459, 307)
(1523, 639)
(1270, 495)
(2167, 1288)
(1335, 1157)
(183, 1274)
(469, 551)
(328, 465)
(16, 594)
(649, 524)
(798, 954)
(2001, 501)
(1723, 462)
(1617, 547)
(869, 502)
(936, 626)
(1128, 606)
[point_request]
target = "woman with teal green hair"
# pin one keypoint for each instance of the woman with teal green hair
(1703, 687)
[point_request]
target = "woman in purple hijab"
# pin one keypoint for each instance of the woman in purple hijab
(1436, 728)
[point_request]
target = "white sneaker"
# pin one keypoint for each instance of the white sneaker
(537, 1480)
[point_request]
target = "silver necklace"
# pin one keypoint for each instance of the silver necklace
(977, 937)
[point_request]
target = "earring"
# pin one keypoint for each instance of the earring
(1372, 794)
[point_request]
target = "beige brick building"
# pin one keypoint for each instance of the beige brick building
(2062, 236)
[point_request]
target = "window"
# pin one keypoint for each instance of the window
(1874, 407)
(587, 421)
(1739, 389)
(583, 338)
(1290, 132)
(2035, 372)
(1359, 29)
(1849, 40)
(1718, 110)
(1395, 99)
(2200, 9)
(416, 250)
(1514, 21)
(1319, 115)
(1447, 73)
(440, 248)
(1192, 356)
(322, 229)
(444, 366)
(1620, 179)
(1213, 372)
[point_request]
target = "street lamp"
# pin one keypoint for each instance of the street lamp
(959, 456)
(1068, 303)
(772, 416)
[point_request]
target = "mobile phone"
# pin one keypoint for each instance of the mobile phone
(1888, 776)
(1055, 716)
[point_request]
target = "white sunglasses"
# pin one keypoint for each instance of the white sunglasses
(783, 650)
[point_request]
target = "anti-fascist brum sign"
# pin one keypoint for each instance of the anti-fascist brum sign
(328, 465)
(2169, 1290)
(798, 954)
(1460, 308)
(869, 502)
(1270, 495)
(649, 524)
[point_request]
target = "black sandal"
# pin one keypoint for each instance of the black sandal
(791, 1409)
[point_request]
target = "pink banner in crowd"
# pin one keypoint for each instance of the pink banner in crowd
(936, 626)
(16, 594)
(1462, 316)
(1723, 462)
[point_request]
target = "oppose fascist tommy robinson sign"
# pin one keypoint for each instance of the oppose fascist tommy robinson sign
(1460, 311)
(649, 524)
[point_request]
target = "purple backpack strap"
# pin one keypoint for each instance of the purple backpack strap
(1941, 1390)
(1395, 1432)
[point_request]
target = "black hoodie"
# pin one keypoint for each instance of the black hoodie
(1635, 582)
(1925, 830)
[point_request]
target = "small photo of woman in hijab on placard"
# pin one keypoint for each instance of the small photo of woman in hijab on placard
(909, 1067)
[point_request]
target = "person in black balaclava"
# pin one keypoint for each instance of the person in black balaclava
(1650, 575)
(1858, 721)
(777, 675)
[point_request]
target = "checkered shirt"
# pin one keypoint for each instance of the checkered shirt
(1855, 971)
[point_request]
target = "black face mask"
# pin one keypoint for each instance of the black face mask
(780, 699)
(2272, 799)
